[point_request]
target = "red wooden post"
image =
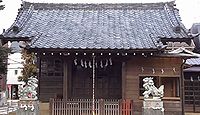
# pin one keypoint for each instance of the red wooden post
(126, 107)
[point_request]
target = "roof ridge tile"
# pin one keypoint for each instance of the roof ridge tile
(97, 6)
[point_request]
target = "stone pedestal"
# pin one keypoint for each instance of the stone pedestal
(3, 99)
(152, 107)
(28, 107)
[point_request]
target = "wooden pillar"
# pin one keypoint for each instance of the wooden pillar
(182, 95)
(65, 78)
(69, 78)
(123, 80)
(38, 74)
(93, 85)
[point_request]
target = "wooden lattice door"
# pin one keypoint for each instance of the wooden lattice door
(192, 93)
(107, 82)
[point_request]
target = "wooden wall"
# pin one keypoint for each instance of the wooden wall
(51, 78)
(142, 66)
(51, 84)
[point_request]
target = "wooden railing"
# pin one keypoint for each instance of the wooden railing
(84, 107)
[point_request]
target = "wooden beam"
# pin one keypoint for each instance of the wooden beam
(96, 51)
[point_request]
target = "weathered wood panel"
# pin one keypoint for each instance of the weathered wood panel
(52, 82)
(108, 82)
(142, 66)
(51, 78)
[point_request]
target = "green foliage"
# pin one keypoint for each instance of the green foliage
(3, 59)
(30, 68)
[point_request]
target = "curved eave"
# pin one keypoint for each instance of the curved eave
(92, 49)
(192, 69)
(187, 40)
(183, 56)
(6, 39)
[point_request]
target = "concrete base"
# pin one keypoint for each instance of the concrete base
(28, 107)
(151, 111)
(152, 107)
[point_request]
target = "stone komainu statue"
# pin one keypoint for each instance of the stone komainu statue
(29, 90)
(151, 89)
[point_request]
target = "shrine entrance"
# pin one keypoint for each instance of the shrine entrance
(107, 79)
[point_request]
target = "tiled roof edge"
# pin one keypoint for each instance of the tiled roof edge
(86, 6)
(17, 25)
(175, 12)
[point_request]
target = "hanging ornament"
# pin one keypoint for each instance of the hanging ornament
(174, 69)
(110, 60)
(162, 71)
(198, 78)
(142, 69)
(101, 64)
(75, 61)
(90, 64)
(85, 64)
(106, 63)
(153, 71)
(96, 65)
(82, 63)
(191, 78)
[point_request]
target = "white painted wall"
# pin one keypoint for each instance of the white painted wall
(14, 63)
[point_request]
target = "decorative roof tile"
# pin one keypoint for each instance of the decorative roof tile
(193, 61)
(97, 26)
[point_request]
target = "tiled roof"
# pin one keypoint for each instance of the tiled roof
(97, 26)
(193, 61)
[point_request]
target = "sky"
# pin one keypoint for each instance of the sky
(188, 9)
